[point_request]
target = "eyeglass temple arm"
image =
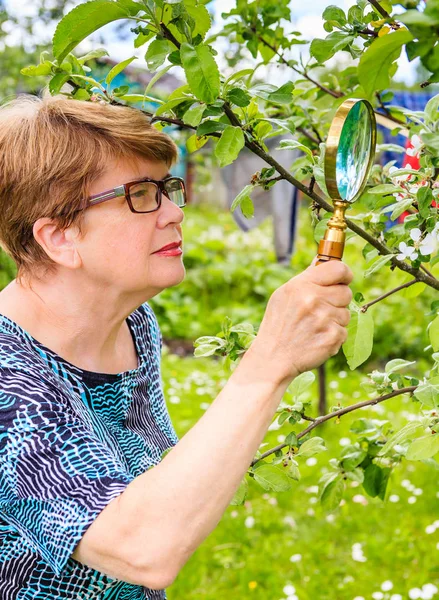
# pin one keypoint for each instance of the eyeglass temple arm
(114, 193)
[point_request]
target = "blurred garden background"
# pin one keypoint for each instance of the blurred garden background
(283, 545)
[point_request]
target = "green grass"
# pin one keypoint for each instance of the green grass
(241, 562)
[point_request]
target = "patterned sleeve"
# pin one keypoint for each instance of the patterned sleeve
(56, 476)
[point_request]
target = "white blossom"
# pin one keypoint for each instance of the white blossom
(426, 245)
(406, 252)
(400, 178)
(417, 146)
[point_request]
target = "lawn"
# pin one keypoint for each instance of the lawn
(286, 539)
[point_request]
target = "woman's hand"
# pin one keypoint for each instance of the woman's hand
(305, 321)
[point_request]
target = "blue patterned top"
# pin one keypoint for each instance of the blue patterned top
(70, 442)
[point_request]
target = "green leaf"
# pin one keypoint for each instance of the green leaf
(156, 54)
(201, 71)
(313, 446)
(195, 142)
(431, 109)
(417, 18)
(118, 69)
(322, 50)
(334, 13)
(81, 94)
(210, 126)
(433, 333)
(400, 207)
(156, 77)
(352, 456)
(98, 53)
(377, 60)
(293, 471)
(84, 20)
(385, 188)
(272, 478)
(57, 81)
(35, 70)
(283, 95)
(291, 439)
(301, 383)
(380, 262)
(229, 145)
(397, 364)
(431, 140)
(201, 16)
(292, 144)
(408, 432)
(424, 196)
(239, 97)
(247, 207)
(375, 481)
(428, 393)
(240, 494)
(332, 494)
(423, 447)
(244, 193)
(356, 475)
(359, 344)
(194, 115)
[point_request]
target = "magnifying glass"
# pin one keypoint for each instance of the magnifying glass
(350, 150)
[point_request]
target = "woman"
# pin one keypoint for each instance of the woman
(87, 210)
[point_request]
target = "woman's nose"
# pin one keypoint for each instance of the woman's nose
(169, 211)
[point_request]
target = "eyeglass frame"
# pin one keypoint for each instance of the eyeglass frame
(124, 190)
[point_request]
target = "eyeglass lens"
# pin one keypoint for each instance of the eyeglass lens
(144, 196)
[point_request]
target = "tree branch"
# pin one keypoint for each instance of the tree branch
(382, 248)
(169, 35)
(379, 9)
(387, 294)
(333, 415)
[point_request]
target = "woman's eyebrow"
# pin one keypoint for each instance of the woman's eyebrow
(148, 177)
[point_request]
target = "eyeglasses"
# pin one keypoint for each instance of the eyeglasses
(145, 195)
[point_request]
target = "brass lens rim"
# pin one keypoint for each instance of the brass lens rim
(332, 144)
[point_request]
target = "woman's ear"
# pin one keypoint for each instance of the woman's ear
(59, 244)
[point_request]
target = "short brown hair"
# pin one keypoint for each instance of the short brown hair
(51, 150)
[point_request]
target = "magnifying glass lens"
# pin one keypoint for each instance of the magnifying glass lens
(353, 152)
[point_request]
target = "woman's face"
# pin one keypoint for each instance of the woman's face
(118, 246)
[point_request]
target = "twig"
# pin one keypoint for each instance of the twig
(308, 135)
(379, 9)
(333, 93)
(169, 35)
(337, 413)
(387, 294)
(383, 13)
(370, 32)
